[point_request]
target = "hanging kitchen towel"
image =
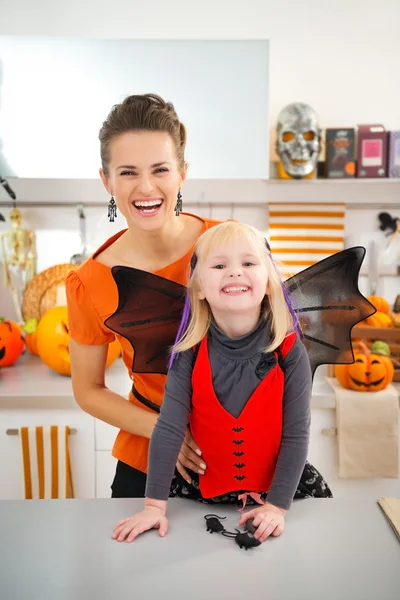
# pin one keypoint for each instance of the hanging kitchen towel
(46, 462)
(367, 432)
(391, 509)
(303, 234)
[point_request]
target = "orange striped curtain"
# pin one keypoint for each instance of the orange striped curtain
(303, 234)
(46, 462)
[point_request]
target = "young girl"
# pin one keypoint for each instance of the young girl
(240, 375)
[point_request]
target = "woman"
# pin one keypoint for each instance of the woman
(143, 168)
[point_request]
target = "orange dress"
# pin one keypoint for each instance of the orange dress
(92, 297)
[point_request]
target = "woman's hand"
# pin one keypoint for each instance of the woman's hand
(151, 517)
(269, 520)
(190, 457)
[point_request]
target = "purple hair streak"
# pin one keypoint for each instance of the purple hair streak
(286, 295)
(187, 309)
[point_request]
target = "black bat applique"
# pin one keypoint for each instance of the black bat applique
(237, 429)
(238, 453)
(239, 465)
(326, 298)
(240, 477)
(237, 442)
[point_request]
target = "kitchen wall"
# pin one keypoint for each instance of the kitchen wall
(340, 57)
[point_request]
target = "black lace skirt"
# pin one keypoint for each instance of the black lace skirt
(311, 485)
(131, 483)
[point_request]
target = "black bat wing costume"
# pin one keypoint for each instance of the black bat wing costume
(328, 303)
(325, 297)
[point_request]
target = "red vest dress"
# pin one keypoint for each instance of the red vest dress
(240, 453)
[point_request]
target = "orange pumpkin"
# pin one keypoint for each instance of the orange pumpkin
(31, 343)
(379, 319)
(368, 373)
(52, 337)
(380, 303)
(11, 342)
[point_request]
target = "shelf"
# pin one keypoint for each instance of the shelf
(323, 181)
(388, 334)
(200, 193)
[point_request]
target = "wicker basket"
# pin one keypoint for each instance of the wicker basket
(41, 292)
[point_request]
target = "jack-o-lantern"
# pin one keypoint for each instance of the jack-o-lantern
(370, 372)
(52, 338)
(11, 342)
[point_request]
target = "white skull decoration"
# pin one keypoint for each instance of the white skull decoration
(298, 143)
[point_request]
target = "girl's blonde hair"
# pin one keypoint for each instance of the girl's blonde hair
(275, 307)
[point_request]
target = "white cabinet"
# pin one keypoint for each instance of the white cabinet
(81, 445)
(105, 435)
(32, 395)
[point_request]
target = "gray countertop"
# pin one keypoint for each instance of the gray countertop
(62, 550)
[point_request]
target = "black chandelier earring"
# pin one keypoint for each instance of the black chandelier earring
(112, 210)
(178, 207)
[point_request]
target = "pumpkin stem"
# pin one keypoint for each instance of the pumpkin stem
(379, 347)
(2, 319)
(362, 346)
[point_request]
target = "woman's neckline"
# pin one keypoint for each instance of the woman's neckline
(116, 236)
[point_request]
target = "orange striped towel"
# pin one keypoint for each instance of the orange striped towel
(301, 235)
(46, 462)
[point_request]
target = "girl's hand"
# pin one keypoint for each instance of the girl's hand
(269, 520)
(190, 457)
(150, 518)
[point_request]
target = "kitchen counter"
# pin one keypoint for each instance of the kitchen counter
(331, 549)
(34, 385)
(31, 384)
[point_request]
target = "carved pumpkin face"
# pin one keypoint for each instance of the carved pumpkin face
(368, 373)
(11, 343)
(52, 341)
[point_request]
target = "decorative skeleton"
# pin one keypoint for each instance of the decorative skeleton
(298, 143)
(19, 258)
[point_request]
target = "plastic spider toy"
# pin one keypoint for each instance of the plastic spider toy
(244, 540)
